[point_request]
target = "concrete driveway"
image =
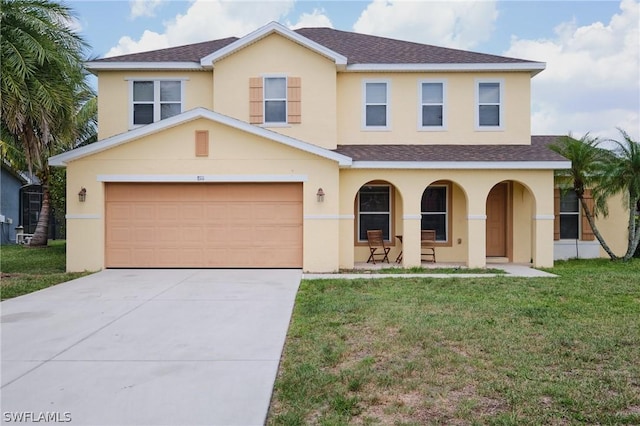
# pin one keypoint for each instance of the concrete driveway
(147, 347)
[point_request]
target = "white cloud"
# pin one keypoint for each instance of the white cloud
(592, 80)
(456, 24)
(317, 18)
(207, 20)
(143, 8)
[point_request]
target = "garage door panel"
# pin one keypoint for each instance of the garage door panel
(169, 211)
(204, 225)
(142, 256)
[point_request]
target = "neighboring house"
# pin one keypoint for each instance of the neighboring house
(281, 148)
(12, 182)
(20, 205)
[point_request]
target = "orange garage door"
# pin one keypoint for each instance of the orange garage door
(176, 225)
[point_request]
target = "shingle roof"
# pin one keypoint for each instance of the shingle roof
(537, 151)
(368, 49)
(358, 48)
(188, 53)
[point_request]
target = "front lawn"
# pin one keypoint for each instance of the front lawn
(26, 269)
(508, 351)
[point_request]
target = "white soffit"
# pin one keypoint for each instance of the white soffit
(462, 165)
(533, 67)
(149, 66)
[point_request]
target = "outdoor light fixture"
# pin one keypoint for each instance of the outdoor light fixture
(82, 195)
(320, 195)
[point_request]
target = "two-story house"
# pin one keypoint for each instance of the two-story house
(282, 148)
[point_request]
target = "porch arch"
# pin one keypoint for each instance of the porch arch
(510, 221)
(377, 204)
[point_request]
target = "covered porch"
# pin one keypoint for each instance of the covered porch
(480, 216)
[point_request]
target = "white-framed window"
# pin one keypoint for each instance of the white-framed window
(155, 100)
(375, 114)
(374, 210)
(434, 208)
(569, 216)
(432, 105)
(489, 104)
(275, 100)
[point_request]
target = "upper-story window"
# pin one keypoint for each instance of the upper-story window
(376, 105)
(432, 105)
(275, 100)
(489, 108)
(154, 100)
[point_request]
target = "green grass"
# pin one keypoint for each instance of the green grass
(470, 351)
(27, 269)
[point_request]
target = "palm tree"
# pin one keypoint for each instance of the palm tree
(621, 175)
(43, 85)
(587, 164)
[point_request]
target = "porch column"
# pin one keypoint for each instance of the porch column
(477, 238)
(411, 240)
(543, 241)
(346, 241)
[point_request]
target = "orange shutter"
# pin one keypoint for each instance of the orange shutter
(556, 214)
(255, 101)
(202, 143)
(294, 100)
(587, 232)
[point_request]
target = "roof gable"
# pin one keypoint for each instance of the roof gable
(194, 114)
(272, 28)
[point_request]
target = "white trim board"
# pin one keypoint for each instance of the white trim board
(83, 216)
(462, 165)
(202, 178)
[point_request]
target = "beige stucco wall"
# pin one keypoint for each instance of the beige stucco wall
(460, 104)
(532, 213)
(114, 102)
(277, 56)
(614, 227)
(172, 153)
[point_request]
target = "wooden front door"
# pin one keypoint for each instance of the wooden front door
(497, 221)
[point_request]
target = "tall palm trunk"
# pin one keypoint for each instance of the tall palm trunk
(634, 232)
(595, 230)
(41, 234)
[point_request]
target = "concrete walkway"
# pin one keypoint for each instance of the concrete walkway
(147, 347)
(511, 270)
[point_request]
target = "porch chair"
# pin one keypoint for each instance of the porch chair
(428, 245)
(376, 242)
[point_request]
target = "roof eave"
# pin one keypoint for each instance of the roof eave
(462, 165)
(532, 67)
(134, 66)
(266, 30)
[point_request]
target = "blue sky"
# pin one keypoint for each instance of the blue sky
(592, 48)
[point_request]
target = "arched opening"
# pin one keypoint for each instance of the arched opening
(510, 209)
(498, 221)
(377, 206)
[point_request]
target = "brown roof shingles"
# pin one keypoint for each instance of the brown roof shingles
(357, 48)
(188, 53)
(537, 151)
(368, 49)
